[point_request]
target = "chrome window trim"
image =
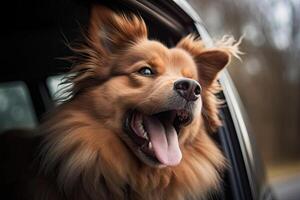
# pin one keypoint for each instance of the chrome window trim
(186, 7)
(231, 96)
(234, 104)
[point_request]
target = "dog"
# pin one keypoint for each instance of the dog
(137, 124)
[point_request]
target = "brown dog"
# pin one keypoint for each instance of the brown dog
(137, 124)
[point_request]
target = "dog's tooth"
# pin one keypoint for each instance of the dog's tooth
(150, 145)
(141, 128)
(146, 135)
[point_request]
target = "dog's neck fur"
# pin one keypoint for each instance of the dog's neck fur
(92, 168)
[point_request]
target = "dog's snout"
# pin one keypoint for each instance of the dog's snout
(188, 89)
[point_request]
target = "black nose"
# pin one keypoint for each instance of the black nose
(188, 89)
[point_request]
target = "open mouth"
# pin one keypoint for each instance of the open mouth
(156, 136)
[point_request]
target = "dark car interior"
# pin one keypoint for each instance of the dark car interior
(34, 38)
(36, 35)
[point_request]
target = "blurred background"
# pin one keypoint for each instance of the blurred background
(268, 78)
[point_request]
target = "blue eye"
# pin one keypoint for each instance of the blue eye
(146, 71)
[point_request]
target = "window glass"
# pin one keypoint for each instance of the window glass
(16, 109)
(58, 91)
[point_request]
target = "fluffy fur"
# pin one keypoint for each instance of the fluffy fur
(83, 153)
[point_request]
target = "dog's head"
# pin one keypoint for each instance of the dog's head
(149, 95)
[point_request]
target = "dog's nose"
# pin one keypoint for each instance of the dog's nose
(188, 89)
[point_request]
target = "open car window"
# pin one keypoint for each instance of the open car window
(57, 90)
(16, 109)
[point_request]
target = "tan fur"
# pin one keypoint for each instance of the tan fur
(84, 148)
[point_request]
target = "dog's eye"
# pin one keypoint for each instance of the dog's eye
(146, 71)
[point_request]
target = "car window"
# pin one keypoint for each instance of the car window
(16, 109)
(58, 91)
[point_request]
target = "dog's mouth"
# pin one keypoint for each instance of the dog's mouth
(156, 136)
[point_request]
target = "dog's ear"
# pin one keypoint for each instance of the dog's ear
(209, 61)
(114, 32)
(107, 35)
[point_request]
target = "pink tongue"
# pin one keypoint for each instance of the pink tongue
(164, 140)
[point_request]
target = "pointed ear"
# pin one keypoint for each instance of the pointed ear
(108, 34)
(113, 32)
(209, 61)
